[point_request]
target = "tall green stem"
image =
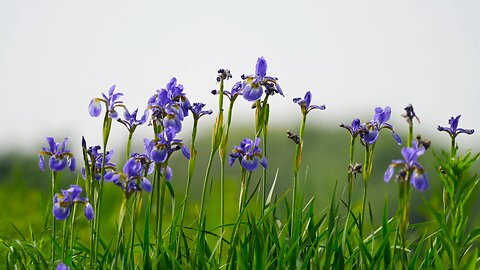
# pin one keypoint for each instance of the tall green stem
(296, 168)
(54, 176)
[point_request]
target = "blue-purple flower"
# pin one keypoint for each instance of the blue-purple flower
(62, 266)
(371, 129)
(454, 130)
(354, 129)
(160, 149)
(111, 102)
(95, 162)
(133, 176)
(63, 201)
(60, 157)
(305, 103)
(170, 105)
(131, 122)
(410, 165)
(197, 110)
(253, 85)
(248, 154)
(232, 94)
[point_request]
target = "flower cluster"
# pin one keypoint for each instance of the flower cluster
(454, 130)
(95, 160)
(410, 167)
(111, 103)
(133, 176)
(369, 131)
(170, 105)
(60, 157)
(248, 154)
(253, 85)
(63, 201)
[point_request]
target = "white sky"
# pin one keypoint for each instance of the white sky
(353, 55)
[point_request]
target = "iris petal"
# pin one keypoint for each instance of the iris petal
(88, 211)
(249, 164)
(59, 212)
(95, 108)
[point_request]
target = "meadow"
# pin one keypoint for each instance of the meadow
(366, 195)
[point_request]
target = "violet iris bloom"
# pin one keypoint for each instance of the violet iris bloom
(454, 130)
(354, 129)
(132, 178)
(197, 110)
(379, 122)
(111, 103)
(131, 122)
(305, 104)
(160, 150)
(60, 157)
(248, 154)
(418, 178)
(95, 162)
(170, 105)
(252, 85)
(63, 201)
(62, 266)
(233, 94)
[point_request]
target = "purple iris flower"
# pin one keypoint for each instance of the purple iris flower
(63, 201)
(248, 154)
(160, 150)
(253, 85)
(131, 121)
(454, 130)
(197, 110)
(305, 103)
(232, 94)
(132, 178)
(170, 105)
(418, 178)
(62, 266)
(355, 128)
(95, 162)
(111, 102)
(379, 122)
(60, 157)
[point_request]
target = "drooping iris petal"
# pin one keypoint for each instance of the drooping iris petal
(59, 212)
(72, 164)
(388, 173)
(185, 151)
(264, 162)
(57, 164)
(88, 211)
(249, 164)
(95, 107)
(41, 162)
(159, 155)
(169, 173)
(397, 138)
(146, 185)
(252, 93)
(172, 120)
(370, 137)
(419, 181)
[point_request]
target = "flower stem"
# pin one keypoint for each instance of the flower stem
(160, 204)
(54, 176)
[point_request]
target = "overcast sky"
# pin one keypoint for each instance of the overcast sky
(353, 55)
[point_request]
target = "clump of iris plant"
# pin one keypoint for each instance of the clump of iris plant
(60, 157)
(66, 199)
(253, 85)
(411, 170)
